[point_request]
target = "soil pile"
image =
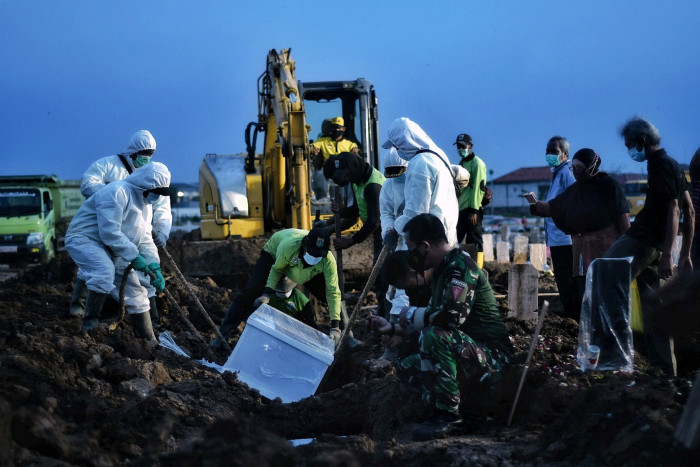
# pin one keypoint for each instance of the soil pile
(105, 398)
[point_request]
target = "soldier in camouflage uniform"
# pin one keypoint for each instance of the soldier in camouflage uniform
(462, 337)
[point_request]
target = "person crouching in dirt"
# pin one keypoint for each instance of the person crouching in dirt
(366, 182)
(290, 300)
(303, 256)
(108, 233)
(102, 172)
(462, 336)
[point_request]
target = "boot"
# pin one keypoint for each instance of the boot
(141, 322)
(77, 301)
(153, 311)
(93, 309)
(439, 425)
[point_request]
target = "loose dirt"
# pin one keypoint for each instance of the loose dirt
(72, 398)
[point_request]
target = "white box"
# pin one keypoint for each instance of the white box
(280, 356)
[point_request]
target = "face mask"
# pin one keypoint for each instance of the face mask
(338, 133)
(151, 198)
(284, 294)
(552, 159)
(311, 260)
(417, 261)
(463, 152)
(140, 161)
(419, 295)
(637, 156)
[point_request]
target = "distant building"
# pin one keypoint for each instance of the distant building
(508, 190)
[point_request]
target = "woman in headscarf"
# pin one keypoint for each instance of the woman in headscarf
(594, 211)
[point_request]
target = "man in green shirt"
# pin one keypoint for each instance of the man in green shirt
(304, 257)
(471, 212)
(461, 333)
(290, 300)
(366, 183)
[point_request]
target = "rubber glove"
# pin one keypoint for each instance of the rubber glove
(334, 334)
(160, 239)
(139, 264)
(263, 299)
(390, 239)
(158, 281)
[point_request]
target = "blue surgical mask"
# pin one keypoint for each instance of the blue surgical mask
(140, 161)
(638, 156)
(311, 260)
(463, 152)
(151, 198)
(552, 160)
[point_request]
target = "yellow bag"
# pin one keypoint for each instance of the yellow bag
(635, 308)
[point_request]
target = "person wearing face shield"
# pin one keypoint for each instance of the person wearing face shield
(138, 153)
(471, 211)
(331, 143)
(461, 335)
(302, 256)
(291, 301)
(593, 211)
(429, 185)
(366, 182)
(559, 243)
(109, 232)
(649, 240)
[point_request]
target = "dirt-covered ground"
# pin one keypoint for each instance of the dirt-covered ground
(72, 398)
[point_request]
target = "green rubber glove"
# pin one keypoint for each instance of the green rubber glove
(139, 264)
(159, 281)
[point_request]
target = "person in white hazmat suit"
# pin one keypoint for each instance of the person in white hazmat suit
(429, 186)
(391, 206)
(138, 153)
(111, 231)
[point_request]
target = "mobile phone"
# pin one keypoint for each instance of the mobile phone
(530, 197)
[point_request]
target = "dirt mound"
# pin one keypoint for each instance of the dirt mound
(107, 398)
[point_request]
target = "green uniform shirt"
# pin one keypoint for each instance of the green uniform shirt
(330, 147)
(471, 194)
(284, 246)
(463, 299)
(292, 305)
(359, 190)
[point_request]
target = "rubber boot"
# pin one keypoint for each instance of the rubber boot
(480, 259)
(143, 328)
(153, 312)
(93, 309)
(77, 301)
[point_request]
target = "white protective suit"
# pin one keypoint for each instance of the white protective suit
(391, 204)
(429, 186)
(111, 168)
(110, 229)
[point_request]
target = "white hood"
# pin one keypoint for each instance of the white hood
(151, 175)
(409, 138)
(392, 159)
(142, 139)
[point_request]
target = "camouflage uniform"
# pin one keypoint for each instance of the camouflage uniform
(462, 335)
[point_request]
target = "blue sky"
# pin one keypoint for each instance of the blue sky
(79, 77)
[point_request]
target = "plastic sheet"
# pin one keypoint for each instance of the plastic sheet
(605, 316)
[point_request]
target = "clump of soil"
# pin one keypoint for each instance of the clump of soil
(106, 397)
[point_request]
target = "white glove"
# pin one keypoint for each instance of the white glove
(334, 334)
(263, 299)
(160, 239)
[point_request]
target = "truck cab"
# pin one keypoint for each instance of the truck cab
(34, 215)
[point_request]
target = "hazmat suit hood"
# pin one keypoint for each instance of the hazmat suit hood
(150, 176)
(409, 138)
(142, 139)
(392, 159)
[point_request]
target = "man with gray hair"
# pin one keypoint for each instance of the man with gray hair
(650, 238)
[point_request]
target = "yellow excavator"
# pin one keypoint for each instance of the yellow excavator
(245, 195)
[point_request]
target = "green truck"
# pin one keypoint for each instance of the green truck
(35, 211)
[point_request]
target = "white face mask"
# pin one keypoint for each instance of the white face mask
(284, 294)
(311, 260)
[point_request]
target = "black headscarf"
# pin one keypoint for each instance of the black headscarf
(590, 159)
